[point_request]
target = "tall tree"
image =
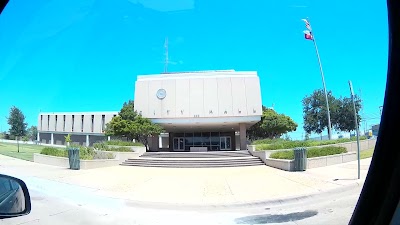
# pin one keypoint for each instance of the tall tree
(271, 125)
(343, 119)
(133, 126)
(127, 111)
(341, 110)
(16, 120)
(32, 132)
(315, 112)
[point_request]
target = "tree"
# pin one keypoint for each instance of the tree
(271, 125)
(127, 111)
(68, 139)
(315, 112)
(16, 120)
(344, 117)
(133, 126)
(119, 127)
(341, 110)
(143, 128)
(32, 132)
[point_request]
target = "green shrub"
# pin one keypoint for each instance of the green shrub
(123, 143)
(324, 151)
(86, 153)
(101, 146)
(282, 155)
(119, 149)
(311, 152)
(54, 152)
(104, 147)
(268, 141)
(293, 144)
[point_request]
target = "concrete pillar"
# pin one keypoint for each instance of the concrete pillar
(87, 140)
(160, 144)
(243, 139)
(38, 137)
(108, 138)
(52, 138)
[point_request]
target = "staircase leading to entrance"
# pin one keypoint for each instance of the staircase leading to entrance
(195, 159)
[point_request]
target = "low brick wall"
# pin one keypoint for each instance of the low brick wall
(288, 165)
(282, 164)
(122, 156)
(331, 160)
(137, 149)
(63, 162)
(51, 160)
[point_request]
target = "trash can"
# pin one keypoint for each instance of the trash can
(73, 157)
(300, 159)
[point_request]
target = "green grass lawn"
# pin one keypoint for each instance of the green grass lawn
(25, 151)
(367, 153)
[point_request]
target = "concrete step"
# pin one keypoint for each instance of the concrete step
(216, 154)
(196, 159)
(193, 165)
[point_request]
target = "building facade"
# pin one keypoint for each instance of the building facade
(200, 111)
(85, 128)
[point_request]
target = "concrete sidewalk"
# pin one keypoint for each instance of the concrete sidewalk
(193, 186)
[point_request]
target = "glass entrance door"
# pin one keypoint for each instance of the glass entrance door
(179, 144)
(225, 143)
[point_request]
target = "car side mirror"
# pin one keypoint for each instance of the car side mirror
(14, 197)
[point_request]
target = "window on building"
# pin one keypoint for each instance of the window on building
(82, 117)
(103, 123)
(64, 123)
(48, 122)
(73, 121)
(41, 122)
(55, 124)
(92, 127)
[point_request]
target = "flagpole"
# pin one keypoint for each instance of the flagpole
(323, 83)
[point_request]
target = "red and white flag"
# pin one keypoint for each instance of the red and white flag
(308, 35)
(308, 26)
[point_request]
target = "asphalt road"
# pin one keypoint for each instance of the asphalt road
(54, 203)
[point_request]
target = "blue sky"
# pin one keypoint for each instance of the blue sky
(60, 55)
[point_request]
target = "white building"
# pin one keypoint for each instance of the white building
(85, 128)
(200, 111)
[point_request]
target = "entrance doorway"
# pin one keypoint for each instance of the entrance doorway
(179, 144)
(225, 143)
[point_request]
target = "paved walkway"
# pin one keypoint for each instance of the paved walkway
(193, 186)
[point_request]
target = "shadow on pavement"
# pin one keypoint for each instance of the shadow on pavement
(275, 218)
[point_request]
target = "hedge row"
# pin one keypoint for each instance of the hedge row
(311, 152)
(284, 144)
(123, 143)
(85, 153)
(104, 147)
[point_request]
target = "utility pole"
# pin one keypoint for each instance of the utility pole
(356, 127)
(309, 35)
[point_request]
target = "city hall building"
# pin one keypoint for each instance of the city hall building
(199, 111)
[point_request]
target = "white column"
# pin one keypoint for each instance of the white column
(160, 144)
(52, 138)
(38, 137)
(242, 133)
(108, 138)
(87, 140)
